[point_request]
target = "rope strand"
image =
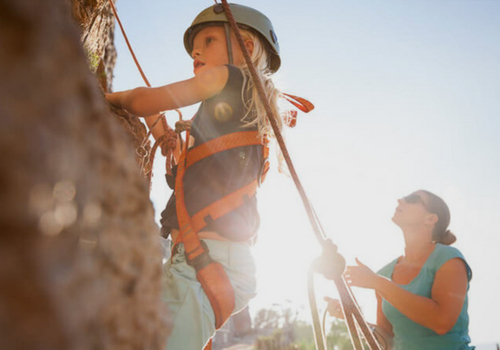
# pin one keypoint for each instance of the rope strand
(272, 120)
(128, 44)
(165, 142)
(351, 310)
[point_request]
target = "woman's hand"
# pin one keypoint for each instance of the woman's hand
(334, 308)
(361, 276)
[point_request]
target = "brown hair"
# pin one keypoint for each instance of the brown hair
(440, 234)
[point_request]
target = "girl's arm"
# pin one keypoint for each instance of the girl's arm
(439, 313)
(144, 101)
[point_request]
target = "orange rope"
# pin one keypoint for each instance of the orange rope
(128, 43)
(166, 141)
(318, 230)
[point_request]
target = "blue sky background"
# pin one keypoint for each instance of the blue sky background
(407, 96)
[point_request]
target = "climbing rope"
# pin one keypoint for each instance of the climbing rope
(128, 43)
(166, 142)
(331, 264)
(272, 120)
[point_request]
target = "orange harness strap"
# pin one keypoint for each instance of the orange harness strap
(209, 273)
(224, 205)
(235, 199)
(222, 143)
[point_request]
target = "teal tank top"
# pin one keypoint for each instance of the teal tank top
(409, 335)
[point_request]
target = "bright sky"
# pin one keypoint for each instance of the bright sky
(407, 96)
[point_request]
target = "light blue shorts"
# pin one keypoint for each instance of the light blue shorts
(190, 310)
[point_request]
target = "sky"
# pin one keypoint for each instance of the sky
(407, 97)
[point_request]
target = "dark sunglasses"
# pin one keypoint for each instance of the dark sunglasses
(414, 199)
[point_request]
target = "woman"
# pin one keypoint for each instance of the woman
(422, 295)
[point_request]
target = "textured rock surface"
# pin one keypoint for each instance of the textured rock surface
(80, 264)
(97, 34)
(97, 27)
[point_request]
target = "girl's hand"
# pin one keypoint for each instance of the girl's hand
(361, 276)
(115, 98)
(334, 308)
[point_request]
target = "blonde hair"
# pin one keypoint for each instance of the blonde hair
(256, 113)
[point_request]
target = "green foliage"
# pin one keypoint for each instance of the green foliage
(280, 329)
(276, 329)
(93, 59)
(338, 337)
(304, 336)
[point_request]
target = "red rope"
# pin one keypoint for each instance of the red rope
(167, 142)
(128, 44)
(272, 120)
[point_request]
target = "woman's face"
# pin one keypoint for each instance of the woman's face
(210, 49)
(412, 210)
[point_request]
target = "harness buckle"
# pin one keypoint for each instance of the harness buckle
(201, 260)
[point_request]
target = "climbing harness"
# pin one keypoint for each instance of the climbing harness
(210, 273)
(189, 226)
(232, 200)
(331, 264)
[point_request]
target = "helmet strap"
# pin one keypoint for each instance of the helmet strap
(227, 29)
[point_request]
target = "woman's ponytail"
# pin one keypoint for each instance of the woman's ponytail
(440, 234)
(446, 238)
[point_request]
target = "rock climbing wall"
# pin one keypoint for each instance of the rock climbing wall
(80, 261)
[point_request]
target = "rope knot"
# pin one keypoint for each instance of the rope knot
(169, 142)
(182, 125)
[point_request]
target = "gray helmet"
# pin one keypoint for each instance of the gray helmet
(246, 17)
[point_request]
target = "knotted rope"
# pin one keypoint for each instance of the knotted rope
(168, 141)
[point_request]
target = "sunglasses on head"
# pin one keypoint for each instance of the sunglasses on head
(414, 199)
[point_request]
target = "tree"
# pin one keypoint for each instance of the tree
(338, 337)
(281, 329)
(80, 263)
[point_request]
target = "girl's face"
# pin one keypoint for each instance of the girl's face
(210, 49)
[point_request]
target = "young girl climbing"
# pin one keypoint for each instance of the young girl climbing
(212, 216)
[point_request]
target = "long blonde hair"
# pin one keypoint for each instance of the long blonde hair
(256, 113)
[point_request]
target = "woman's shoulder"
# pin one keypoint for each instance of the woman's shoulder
(443, 253)
(446, 252)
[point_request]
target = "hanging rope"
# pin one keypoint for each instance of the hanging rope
(128, 43)
(331, 264)
(272, 120)
(168, 141)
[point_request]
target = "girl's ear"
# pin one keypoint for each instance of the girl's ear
(249, 45)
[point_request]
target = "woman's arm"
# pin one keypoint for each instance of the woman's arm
(334, 308)
(382, 321)
(439, 313)
(381, 329)
(145, 101)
